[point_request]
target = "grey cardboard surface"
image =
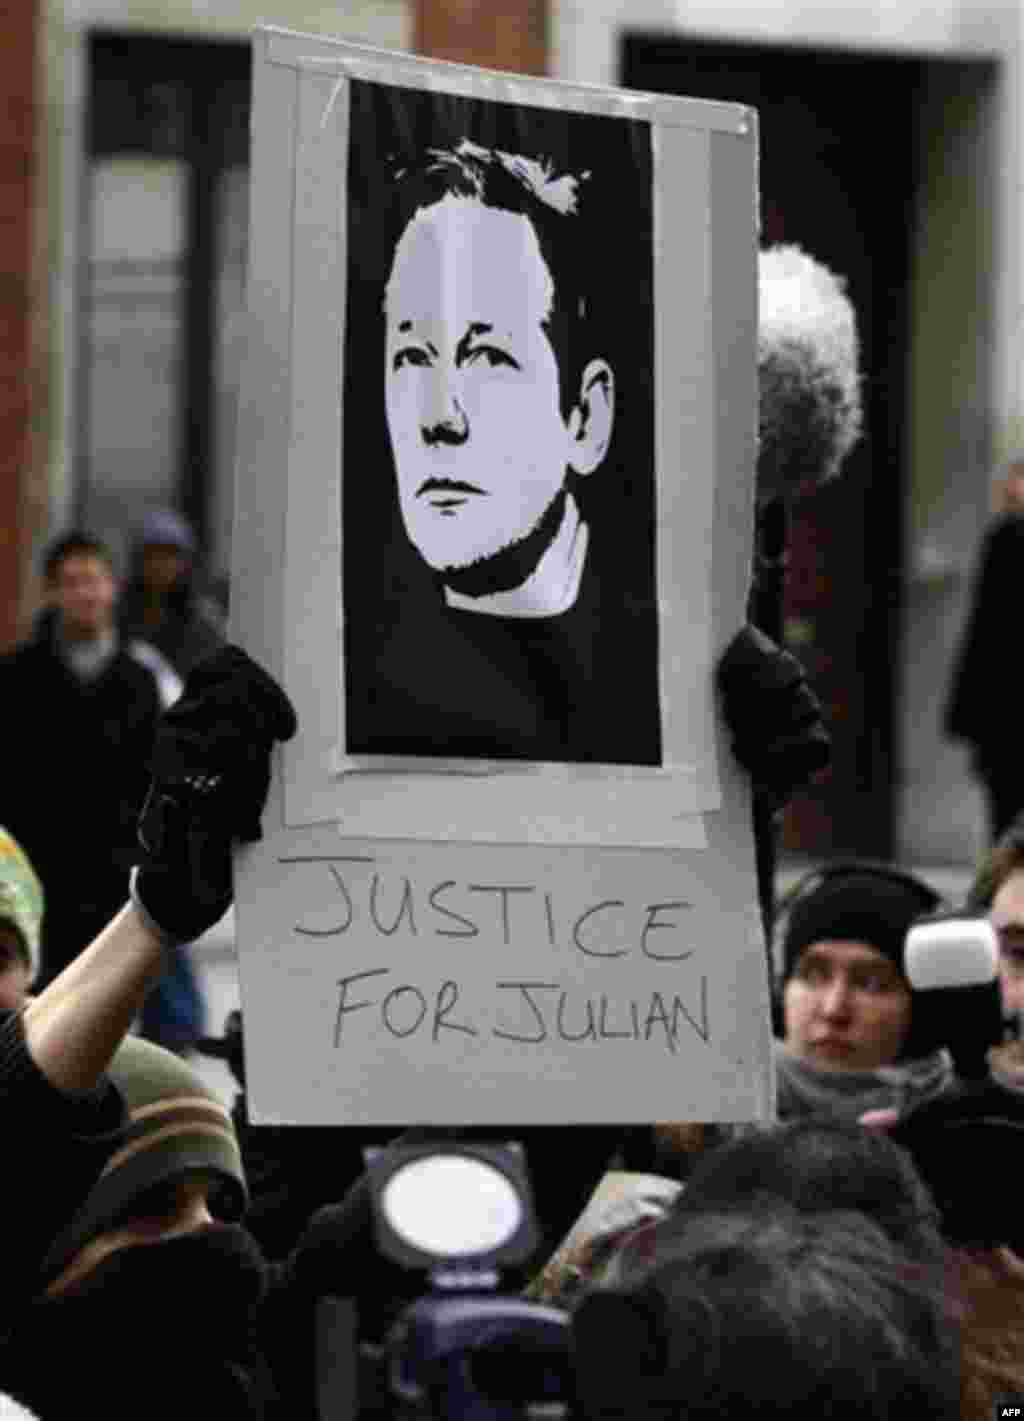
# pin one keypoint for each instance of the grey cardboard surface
(540, 946)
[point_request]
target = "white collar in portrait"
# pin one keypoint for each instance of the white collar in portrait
(552, 587)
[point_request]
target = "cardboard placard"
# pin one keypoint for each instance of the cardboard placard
(494, 516)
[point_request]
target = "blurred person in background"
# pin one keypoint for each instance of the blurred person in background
(981, 708)
(163, 611)
(163, 605)
(80, 715)
(998, 890)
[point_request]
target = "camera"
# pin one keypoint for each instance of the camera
(952, 962)
(461, 1212)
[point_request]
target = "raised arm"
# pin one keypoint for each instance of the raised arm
(211, 772)
(74, 1027)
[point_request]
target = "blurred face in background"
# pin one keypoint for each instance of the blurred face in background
(1008, 494)
(846, 1008)
(163, 565)
(84, 591)
(1007, 917)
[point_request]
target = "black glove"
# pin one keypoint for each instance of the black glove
(779, 736)
(211, 774)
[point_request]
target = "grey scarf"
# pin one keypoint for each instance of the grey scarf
(804, 1090)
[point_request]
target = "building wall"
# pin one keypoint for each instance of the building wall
(65, 26)
(968, 309)
(21, 393)
(963, 410)
(584, 32)
(967, 305)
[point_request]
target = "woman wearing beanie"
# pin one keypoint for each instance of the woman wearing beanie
(853, 1039)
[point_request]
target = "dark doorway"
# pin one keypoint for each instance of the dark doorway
(838, 177)
(163, 239)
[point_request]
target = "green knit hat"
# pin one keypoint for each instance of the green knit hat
(21, 897)
(176, 1124)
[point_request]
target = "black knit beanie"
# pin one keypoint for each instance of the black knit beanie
(855, 907)
(176, 1125)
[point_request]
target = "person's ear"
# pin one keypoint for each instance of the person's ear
(592, 419)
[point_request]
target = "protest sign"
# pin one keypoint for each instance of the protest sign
(493, 529)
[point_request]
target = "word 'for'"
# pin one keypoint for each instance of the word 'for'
(526, 1013)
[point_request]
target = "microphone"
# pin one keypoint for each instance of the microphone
(807, 356)
(952, 964)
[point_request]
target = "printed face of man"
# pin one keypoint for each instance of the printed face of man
(846, 1007)
(472, 385)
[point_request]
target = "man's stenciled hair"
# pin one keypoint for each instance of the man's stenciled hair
(477, 170)
(555, 205)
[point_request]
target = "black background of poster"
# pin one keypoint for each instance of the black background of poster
(420, 681)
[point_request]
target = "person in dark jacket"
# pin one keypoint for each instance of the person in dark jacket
(163, 605)
(80, 714)
(170, 624)
(981, 709)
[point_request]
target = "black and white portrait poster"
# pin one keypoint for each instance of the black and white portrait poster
(501, 461)
(498, 434)
(493, 529)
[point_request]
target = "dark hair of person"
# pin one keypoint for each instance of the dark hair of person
(1005, 857)
(816, 1165)
(519, 184)
(77, 543)
(773, 1314)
